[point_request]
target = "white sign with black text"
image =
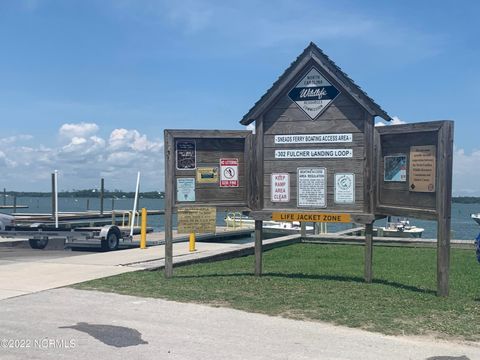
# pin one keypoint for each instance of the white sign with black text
(313, 153)
(280, 185)
(312, 187)
(345, 188)
(313, 138)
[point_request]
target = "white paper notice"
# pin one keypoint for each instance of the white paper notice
(344, 188)
(312, 187)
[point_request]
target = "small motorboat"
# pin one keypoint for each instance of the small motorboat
(476, 218)
(399, 228)
(238, 220)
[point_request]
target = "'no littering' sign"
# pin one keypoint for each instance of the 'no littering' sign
(228, 172)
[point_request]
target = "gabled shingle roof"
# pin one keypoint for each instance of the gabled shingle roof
(314, 52)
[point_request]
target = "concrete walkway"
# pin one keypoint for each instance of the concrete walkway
(76, 324)
(25, 271)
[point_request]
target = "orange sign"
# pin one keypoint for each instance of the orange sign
(311, 217)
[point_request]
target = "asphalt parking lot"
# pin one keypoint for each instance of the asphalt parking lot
(79, 324)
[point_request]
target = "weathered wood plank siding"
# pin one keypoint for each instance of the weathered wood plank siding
(343, 115)
(397, 194)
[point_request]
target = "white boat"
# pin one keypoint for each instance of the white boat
(476, 218)
(399, 228)
(237, 220)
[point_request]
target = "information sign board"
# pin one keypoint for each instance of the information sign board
(197, 220)
(186, 155)
(422, 168)
(344, 188)
(312, 187)
(185, 189)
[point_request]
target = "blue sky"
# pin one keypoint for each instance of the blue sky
(87, 87)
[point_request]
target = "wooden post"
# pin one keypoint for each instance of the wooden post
(258, 247)
(444, 201)
(88, 204)
(14, 203)
(303, 230)
(169, 188)
(4, 196)
(368, 252)
(53, 196)
(102, 193)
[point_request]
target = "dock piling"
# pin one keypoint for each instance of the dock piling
(102, 193)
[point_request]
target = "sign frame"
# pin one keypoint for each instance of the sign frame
(407, 135)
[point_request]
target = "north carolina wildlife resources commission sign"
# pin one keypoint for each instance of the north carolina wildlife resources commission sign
(313, 93)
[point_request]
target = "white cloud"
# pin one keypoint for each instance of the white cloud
(395, 121)
(192, 16)
(70, 131)
(131, 139)
(82, 158)
(248, 25)
(251, 127)
(15, 138)
(466, 173)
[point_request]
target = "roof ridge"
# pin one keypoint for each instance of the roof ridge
(341, 76)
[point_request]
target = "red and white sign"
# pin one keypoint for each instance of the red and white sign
(280, 186)
(228, 172)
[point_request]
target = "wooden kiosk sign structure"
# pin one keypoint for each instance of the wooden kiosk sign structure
(315, 156)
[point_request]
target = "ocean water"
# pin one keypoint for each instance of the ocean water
(463, 227)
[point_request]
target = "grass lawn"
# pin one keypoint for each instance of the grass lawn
(325, 282)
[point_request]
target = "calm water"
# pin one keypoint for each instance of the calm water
(463, 226)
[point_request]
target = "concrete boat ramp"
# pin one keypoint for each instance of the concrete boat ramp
(25, 271)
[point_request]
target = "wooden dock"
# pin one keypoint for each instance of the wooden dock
(222, 233)
(13, 207)
(83, 218)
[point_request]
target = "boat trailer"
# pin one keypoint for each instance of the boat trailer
(108, 237)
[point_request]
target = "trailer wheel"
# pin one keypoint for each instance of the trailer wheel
(38, 243)
(111, 242)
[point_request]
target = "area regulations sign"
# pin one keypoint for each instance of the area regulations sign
(197, 220)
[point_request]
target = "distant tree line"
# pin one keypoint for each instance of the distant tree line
(89, 193)
(92, 193)
(466, 199)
